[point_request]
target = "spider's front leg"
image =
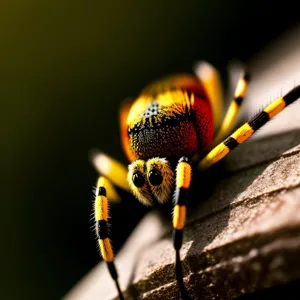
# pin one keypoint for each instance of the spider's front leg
(101, 218)
(183, 181)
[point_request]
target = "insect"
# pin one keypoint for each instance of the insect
(173, 127)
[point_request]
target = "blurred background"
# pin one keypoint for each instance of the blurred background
(65, 67)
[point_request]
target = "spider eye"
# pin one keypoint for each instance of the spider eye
(155, 177)
(138, 179)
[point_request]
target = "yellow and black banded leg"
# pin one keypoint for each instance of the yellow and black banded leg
(183, 180)
(101, 218)
(246, 130)
(233, 109)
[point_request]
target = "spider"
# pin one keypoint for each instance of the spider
(173, 127)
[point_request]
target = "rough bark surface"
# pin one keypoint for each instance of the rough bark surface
(244, 237)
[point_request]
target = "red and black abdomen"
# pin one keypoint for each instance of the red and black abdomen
(170, 137)
(170, 122)
(204, 123)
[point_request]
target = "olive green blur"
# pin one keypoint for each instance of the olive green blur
(65, 66)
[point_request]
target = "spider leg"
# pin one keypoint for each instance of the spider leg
(233, 109)
(101, 218)
(210, 78)
(183, 180)
(111, 169)
(246, 130)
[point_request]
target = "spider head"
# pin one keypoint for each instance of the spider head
(151, 180)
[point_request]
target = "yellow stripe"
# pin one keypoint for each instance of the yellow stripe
(179, 216)
(274, 108)
(227, 123)
(101, 208)
(242, 133)
(230, 116)
(101, 181)
(213, 156)
(183, 177)
(241, 88)
(106, 250)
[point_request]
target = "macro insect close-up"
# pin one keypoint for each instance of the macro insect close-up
(172, 129)
(150, 149)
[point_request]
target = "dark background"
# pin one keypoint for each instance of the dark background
(65, 66)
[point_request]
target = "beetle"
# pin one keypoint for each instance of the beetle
(174, 126)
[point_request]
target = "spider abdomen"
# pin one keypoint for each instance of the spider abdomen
(170, 121)
(168, 137)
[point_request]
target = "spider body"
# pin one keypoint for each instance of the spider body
(171, 118)
(174, 125)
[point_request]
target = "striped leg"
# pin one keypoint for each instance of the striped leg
(234, 107)
(246, 130)
(110, 168)
(101, 218)
(183, 180)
